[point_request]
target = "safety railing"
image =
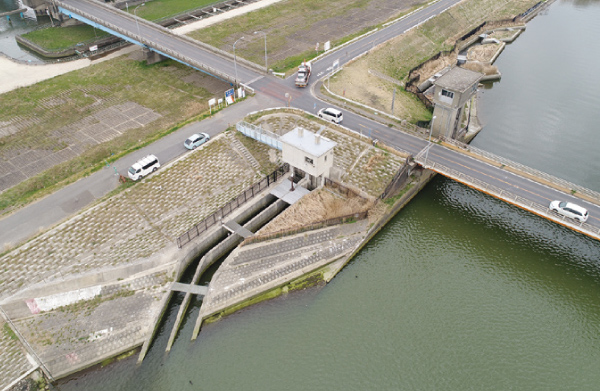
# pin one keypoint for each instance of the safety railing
(231, 206)
(561, 183)
(160, 48)
(524, 203)
(259, 134)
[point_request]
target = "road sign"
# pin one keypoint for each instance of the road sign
(229, 96)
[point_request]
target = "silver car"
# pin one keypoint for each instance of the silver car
(196, 140)
(570, 209)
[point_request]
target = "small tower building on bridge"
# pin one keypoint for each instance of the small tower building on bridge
(309, 153)
(452, 92)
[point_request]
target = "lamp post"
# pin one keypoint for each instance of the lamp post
(235, 60)
(262, 32)
(429, 146)
(136, 18)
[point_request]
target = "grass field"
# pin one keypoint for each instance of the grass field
(294, 27)
(398, 56)
(160, 9)
(60, 38)
(46, 118)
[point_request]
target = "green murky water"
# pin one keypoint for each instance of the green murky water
(460, 291)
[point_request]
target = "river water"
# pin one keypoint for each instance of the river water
(460, 291)
(16, 25)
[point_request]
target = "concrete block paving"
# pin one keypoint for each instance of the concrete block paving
(256, 268)
(14, 361)
(138, 222)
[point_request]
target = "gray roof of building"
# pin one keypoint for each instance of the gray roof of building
(458, 79)
(306, 142)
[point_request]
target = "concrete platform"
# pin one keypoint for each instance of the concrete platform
(283, 191)
(189, 288)
(235, 228)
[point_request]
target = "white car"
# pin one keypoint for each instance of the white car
(331, 114)
(570, 209)
(143, 167)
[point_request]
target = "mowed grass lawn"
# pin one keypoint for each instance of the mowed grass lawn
(61, 38)
(67, 99)
(293, 27)
(398, 56)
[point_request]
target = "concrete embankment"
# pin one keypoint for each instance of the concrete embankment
(267, 269)
(261, 211)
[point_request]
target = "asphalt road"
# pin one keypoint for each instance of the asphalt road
(271, 92)
(508, 181)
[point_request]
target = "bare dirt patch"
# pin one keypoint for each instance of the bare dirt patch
(483, 53)
(317, 206)
(294, 27)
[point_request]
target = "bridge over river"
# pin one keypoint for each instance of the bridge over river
(512, 182)
(509, 181)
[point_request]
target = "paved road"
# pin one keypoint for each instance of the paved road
(157, 37)
(271, 92)
(507, 181)
(66, 202)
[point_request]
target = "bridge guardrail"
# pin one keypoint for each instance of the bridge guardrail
(145, 41)
(165, 30)
(528, 170)
(512, 198)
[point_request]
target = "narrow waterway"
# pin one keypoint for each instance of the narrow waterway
(15, 25)
(460, 291)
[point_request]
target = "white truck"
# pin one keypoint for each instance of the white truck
(303, 74)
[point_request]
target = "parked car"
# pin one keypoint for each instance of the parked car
(143, 167)
(331, 114)
(196, 140)
(570, 209)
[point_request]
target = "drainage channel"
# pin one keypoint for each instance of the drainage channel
(202, 268)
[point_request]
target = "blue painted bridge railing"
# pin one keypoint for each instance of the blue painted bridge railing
(259, 134)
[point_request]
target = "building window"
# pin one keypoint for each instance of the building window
(308, 160)
(447, 93)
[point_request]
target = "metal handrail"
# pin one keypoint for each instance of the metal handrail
(525, 169)
(160, 48)
(510, 197)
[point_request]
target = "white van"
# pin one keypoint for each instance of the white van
(331, 114)
(143, 167)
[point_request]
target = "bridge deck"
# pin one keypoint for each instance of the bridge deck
(189, 288)
(161, 40)
(516, 184)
